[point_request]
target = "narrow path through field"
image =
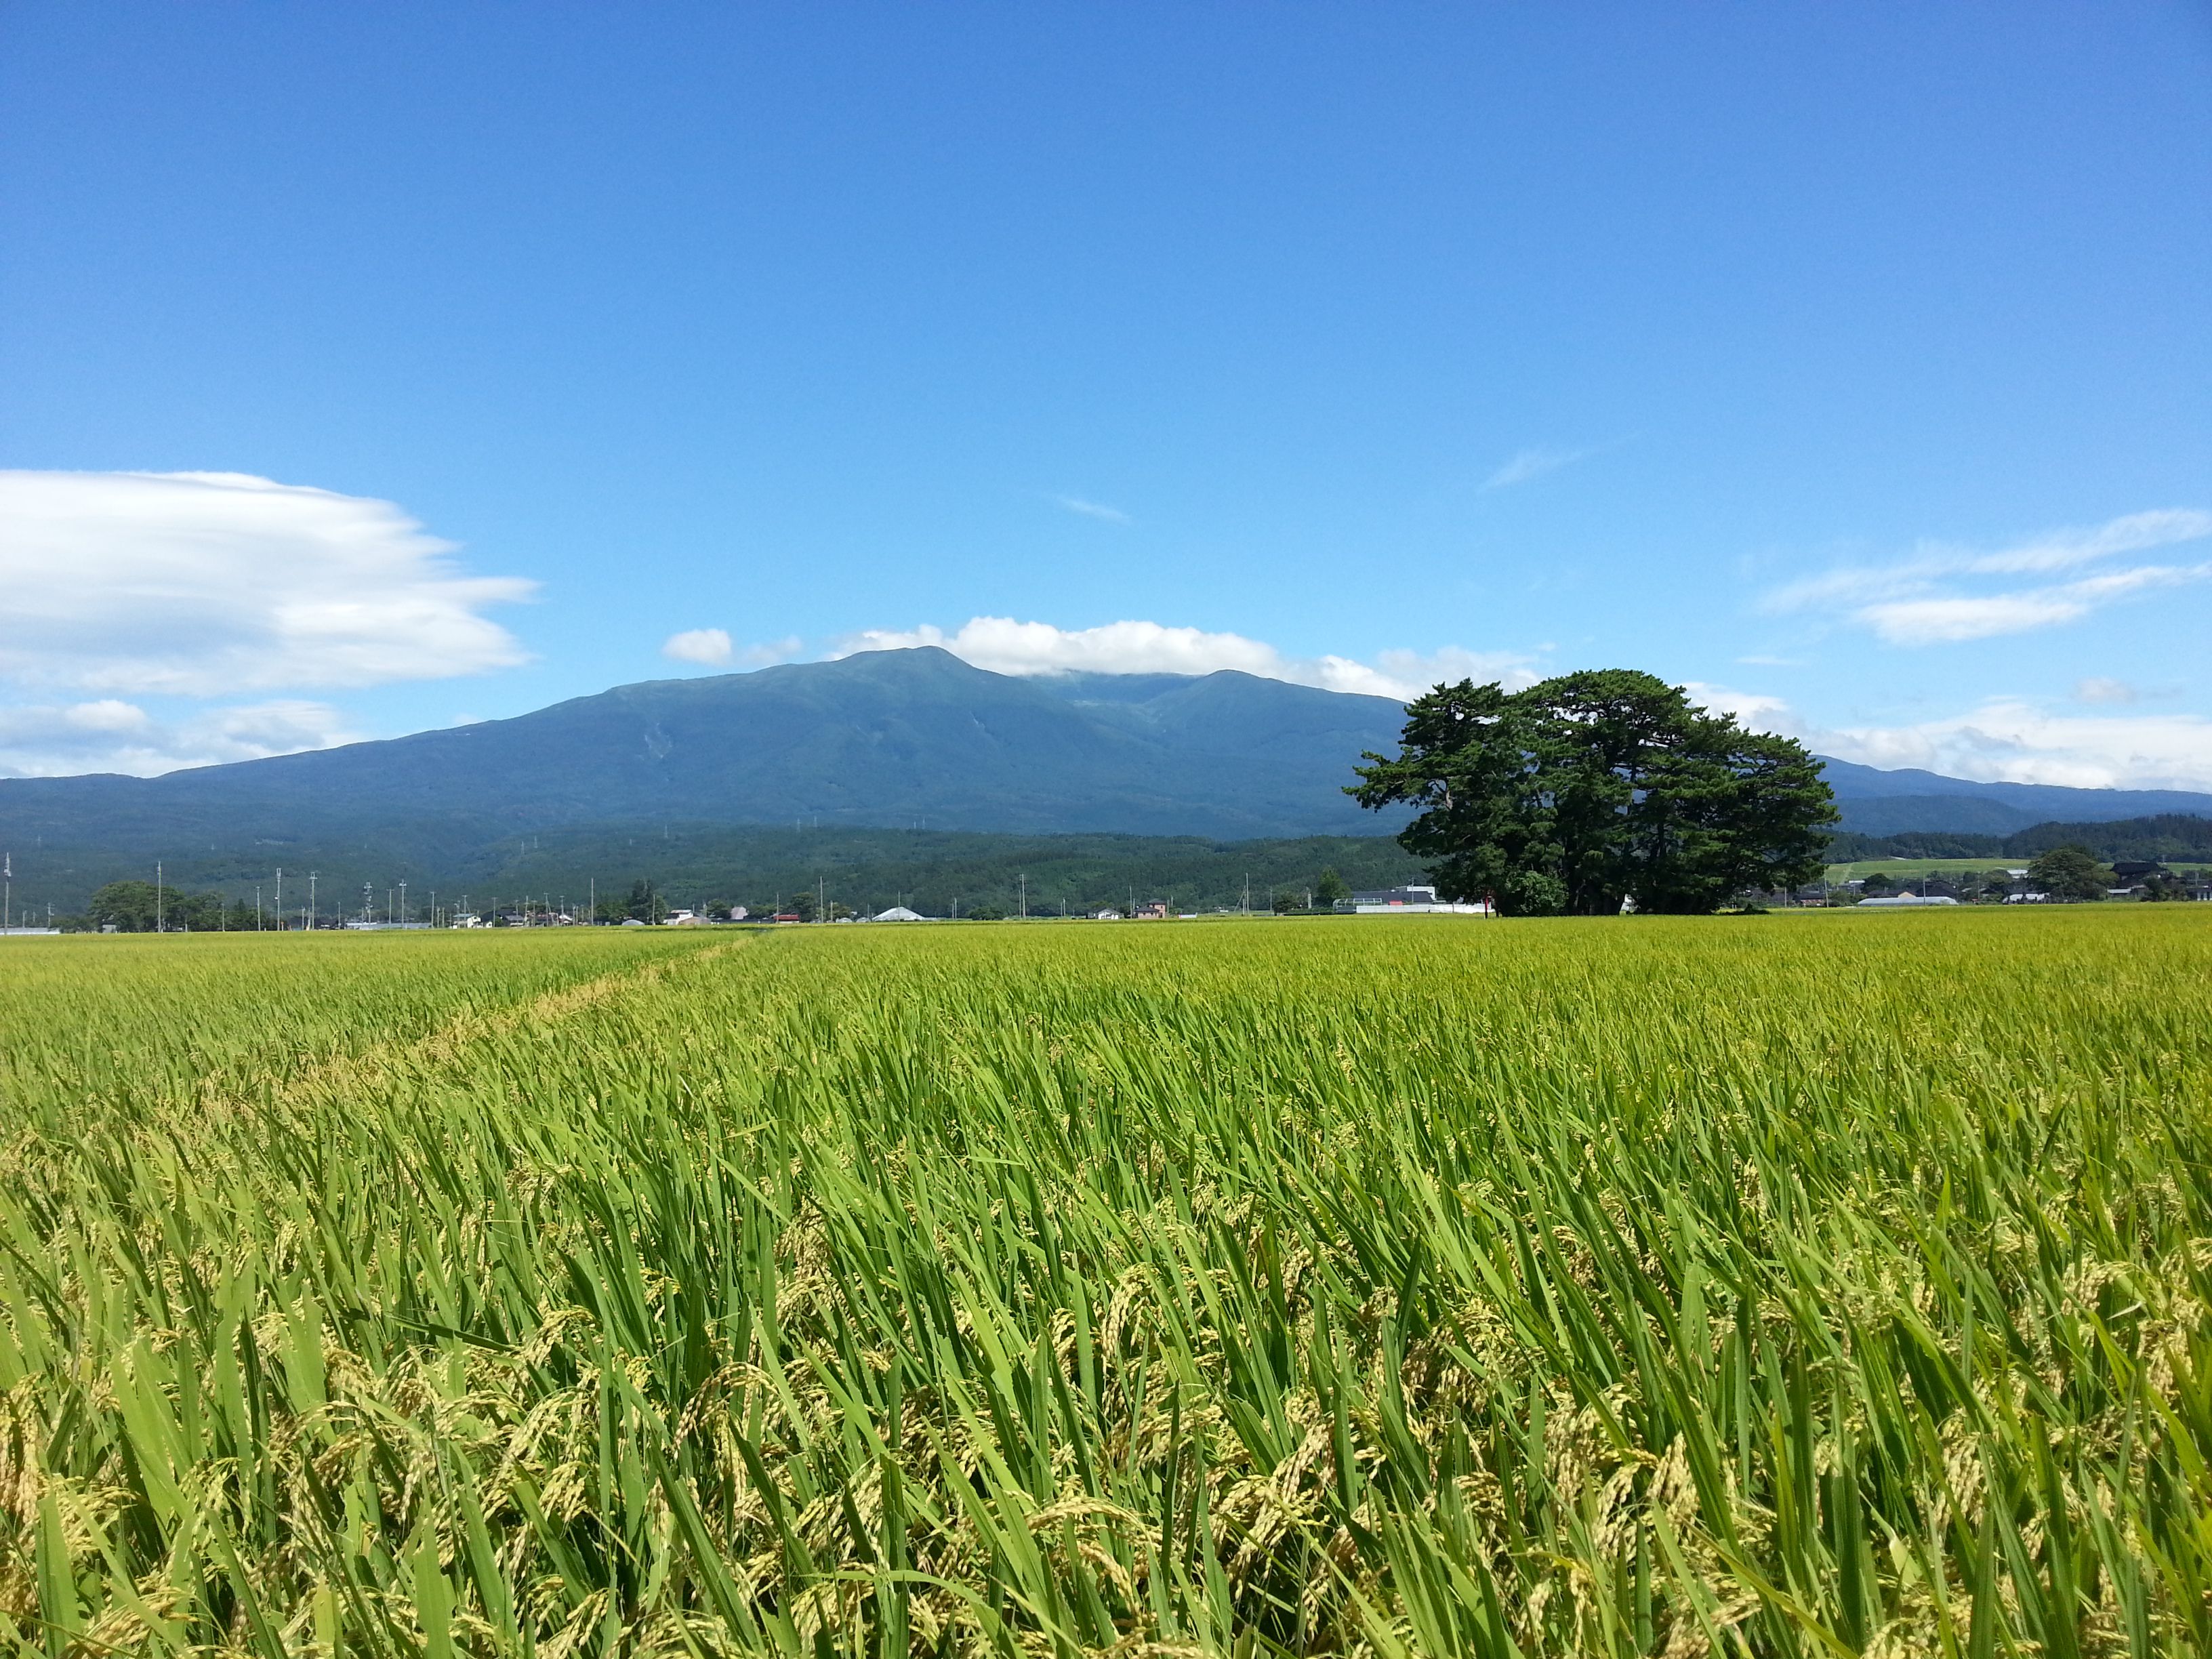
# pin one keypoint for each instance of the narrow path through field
(346, 1073)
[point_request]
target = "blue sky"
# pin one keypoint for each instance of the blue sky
(1853, 364)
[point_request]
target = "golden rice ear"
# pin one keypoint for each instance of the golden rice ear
(1375, 1287)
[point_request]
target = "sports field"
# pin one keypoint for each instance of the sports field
(1821, 1284)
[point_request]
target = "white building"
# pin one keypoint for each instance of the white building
(899, 913)
(1411, 902)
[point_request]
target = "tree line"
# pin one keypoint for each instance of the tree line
(138, 907)
(2163, 836)
(2070, 873)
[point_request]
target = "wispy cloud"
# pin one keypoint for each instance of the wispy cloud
(1006, 645)
(1944, 594)
(2104, 690)
(1090, 509)
(1532, 464)
(1937, 621)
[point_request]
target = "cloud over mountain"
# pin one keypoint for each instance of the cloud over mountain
(1007, 647)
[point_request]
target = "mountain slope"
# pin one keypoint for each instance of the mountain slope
(898, 737)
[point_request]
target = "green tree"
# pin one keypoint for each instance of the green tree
(1593, 788)
(2071, 872)
(1330, 890)
(645, 903)
(1286, 900)
(126, 906)
(131, 907)
(193, 913)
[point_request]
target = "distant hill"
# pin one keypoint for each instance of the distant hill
(904, 740)
(1878, 803)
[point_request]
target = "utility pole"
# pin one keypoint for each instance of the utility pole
(403, 900)
(1025, 896)
(311, 901)
(7, 892)
(157, 895)
(257, 907)
(280, 896)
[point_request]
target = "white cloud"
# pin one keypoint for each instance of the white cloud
(1005, 645)
(2103, 690)
(1532, 464)
(706, 645)
(1933, 597)
(2011, 740)
(2005, 740)
(1403, 674)
(108, 734)
(214, 584)
(714, 648)
(1091, 509)
(1754, 710)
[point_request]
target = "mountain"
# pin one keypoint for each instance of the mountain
(902, 738)
(914, 740)
(1874, 802)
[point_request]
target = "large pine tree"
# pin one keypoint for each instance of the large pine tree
(1593, 787)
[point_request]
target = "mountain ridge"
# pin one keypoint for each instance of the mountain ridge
(907, 738)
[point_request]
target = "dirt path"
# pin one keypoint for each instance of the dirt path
(345, 1074)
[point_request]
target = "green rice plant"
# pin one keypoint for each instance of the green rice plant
(1812, 1284)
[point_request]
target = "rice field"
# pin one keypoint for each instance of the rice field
(1818, 1284)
